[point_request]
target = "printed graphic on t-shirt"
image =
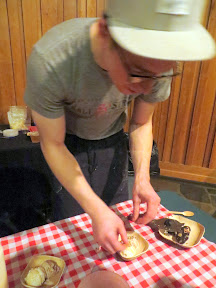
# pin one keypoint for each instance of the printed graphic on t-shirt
(95, 108)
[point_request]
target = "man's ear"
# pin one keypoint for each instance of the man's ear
(103, 27)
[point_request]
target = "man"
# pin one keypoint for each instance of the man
(82, 75)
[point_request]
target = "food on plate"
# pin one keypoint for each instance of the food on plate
(177, 229)
(34, 133)
(38, 275)
(137, 245)
(173, 227)
(183, 236)
(132, 246)
(35, 137)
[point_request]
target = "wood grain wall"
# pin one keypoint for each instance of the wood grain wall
(184, 125)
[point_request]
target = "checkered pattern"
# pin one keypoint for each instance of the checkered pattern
(71, 239)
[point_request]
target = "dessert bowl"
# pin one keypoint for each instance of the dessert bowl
(38, 261)
(197, 231)
(137, 246)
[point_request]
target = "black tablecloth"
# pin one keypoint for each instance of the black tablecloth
(26, 184)
(28, 187)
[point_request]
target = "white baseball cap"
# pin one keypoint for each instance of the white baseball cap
(161, 29)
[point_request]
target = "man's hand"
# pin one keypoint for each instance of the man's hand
(106, 229)
(144, 192)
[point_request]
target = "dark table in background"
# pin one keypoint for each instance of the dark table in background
(26, 184)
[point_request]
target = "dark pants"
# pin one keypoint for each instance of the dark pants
(104, 164)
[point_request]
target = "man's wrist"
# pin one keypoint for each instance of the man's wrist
(97, 209)
(142, 175)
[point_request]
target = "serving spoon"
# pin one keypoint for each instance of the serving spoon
(185, 213)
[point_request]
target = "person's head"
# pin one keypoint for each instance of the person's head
(147, 38)
(131, 73)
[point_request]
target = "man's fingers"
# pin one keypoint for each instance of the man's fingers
(149, 215)
(108, 247)
(136, 209)
(114, 247)
(114, 243)
(118, 245)
(123, 234)
(144, 219)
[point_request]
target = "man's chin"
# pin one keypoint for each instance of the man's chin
(128, 92)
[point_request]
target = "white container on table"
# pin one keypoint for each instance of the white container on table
(3, 271)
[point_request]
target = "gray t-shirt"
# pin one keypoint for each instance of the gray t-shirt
(64, 79)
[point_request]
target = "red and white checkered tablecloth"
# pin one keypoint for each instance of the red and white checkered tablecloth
(71, 239)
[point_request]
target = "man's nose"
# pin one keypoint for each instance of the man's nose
(142, 84)
(136, 79)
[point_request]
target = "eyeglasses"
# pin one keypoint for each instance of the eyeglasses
(177, 70)
(155, 77)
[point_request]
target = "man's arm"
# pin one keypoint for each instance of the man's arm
(106, 224)
(141, 140)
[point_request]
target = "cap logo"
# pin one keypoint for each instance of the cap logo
(175, 7)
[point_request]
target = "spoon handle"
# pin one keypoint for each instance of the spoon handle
(175, 212)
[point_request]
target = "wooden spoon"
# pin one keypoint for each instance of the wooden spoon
(185, 213)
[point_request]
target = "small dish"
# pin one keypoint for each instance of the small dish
(196, 233)
(35, 137)
(105, 279)
(37, 261)
(8, 133)
(137, 246)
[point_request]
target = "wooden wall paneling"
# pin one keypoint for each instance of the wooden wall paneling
(127, 124)
(51, 14)
(206, 11)
(185, 111)
(7, 91)
(91, 8)
(162, 127)
(100, 7)
(81, 9)
(60, 11)
(209, 157)
(171, 120)
(156, 121)
(204, 104)
(202, 116)
(193, 173)
(32, 23)
(70, 9)
(17, 48)
(129, 115)
(212, 162)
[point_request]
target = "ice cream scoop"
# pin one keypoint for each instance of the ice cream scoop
(38, 275)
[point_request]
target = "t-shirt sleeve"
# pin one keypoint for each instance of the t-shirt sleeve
(44, 92)
(160, 92)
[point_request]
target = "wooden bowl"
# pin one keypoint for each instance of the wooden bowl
(196, 233)
(36, 261)
(137, 246)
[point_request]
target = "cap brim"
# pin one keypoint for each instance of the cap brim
(190, 45)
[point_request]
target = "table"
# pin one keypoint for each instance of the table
(163, 265)
(27, 184)
(20, 152)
